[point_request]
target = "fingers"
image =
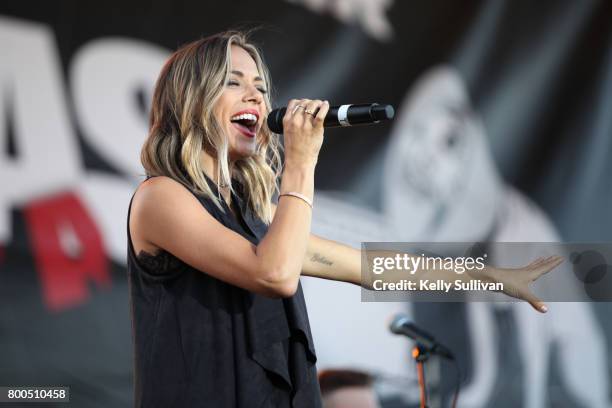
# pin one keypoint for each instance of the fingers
(534, 301)
(540, 261)
(545, 265)
(311, 111)
(305, 113)
(293, 118)
(290, 107)
(294, 107)
(532, 272)
(320, 116)
(537, 262)
(538, 268)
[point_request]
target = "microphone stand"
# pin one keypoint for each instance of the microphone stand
(425, 347)
(421, 354)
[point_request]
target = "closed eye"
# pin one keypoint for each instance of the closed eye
(233, 83)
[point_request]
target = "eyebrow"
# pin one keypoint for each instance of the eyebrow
(241, 75)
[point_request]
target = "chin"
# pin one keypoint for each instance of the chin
(242, 149)
(241, 153)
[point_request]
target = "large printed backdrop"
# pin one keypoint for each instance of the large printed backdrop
(535, 79)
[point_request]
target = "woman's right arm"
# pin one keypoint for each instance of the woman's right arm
(168, 216)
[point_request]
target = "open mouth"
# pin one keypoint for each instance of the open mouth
(246, 123)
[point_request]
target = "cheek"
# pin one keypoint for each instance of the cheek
(219, 116)
(222, 108)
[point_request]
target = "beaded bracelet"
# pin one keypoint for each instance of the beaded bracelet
(297, 195)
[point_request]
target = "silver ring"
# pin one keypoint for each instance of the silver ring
(296, 108)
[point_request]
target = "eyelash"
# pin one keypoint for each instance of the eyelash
(263, 91)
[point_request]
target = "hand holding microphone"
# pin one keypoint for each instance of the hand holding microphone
(343, 115)
(302, 122)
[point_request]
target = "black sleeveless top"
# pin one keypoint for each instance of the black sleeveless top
(201, 342)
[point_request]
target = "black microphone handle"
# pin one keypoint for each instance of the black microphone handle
(358, 114)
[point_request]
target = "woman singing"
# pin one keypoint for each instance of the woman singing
(218, 314)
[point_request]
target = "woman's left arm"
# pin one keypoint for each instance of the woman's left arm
(332, 260)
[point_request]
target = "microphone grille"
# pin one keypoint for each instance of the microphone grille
(398, 321)
(275, 120)
(383, 112)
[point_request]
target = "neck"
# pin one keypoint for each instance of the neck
(211, 167)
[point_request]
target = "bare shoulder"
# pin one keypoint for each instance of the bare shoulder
(160, 187)
(157, 201)
(160, 194)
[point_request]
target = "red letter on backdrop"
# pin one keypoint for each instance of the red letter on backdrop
(67, 248)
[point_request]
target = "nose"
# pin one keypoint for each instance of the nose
(252, 94)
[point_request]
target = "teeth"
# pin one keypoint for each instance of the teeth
(245, 116)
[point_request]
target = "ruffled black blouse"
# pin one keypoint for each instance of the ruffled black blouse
(201, 342)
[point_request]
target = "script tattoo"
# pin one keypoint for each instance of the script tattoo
(321, 259)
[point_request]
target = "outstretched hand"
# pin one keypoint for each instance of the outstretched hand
(516, 281)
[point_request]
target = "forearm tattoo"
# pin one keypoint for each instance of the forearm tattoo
(321, 259)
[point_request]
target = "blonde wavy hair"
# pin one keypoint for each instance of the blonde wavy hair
(182, 123)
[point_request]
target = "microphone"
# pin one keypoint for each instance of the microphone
(343, 115)
(402, 325)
